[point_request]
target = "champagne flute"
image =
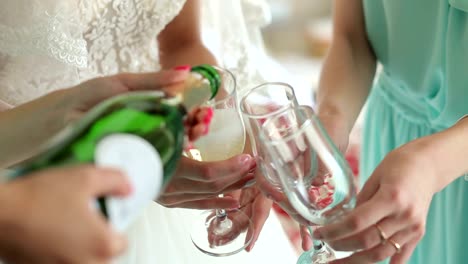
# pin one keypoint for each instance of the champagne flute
(314, 175)
(259, 104)
(222, 232)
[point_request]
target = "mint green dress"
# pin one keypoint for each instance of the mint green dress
(423, 88)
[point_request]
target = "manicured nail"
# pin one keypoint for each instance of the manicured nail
(209, 116)
(245, 159)
(210, 112)
(207, 120)
(251, 246)
(183, 68)
(235, 207)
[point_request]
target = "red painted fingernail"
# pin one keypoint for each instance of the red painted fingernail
(209, 116)
(183, 68)
(206, 120)
(210, 112)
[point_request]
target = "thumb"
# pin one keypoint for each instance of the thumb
(106, 182)
(107, 242)
(368, 190)
(118, 244)
(271, 191)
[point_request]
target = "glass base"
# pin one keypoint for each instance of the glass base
(221, 236)
(320, 256)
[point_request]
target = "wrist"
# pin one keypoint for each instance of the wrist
(4, 204)
(62, 102)
(442, 156)
(335, 116)
(46, 113)
(417, 158)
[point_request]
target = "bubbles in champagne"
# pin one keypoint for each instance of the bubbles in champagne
(226, 137)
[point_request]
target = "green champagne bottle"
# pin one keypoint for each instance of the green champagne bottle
(141, 133)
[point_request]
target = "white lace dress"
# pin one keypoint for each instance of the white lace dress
(50, 44)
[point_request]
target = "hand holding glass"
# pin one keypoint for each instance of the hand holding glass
(314, 175)
(222, 232)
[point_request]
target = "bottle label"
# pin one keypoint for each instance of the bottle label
(141, 162)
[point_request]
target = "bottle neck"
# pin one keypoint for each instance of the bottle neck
(197, 91)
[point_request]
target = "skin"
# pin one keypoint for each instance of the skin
(49, 114)
(29, 204)
(33, 209)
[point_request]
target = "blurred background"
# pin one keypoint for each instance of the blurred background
(299, 36)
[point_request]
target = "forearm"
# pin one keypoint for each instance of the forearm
(445, 153)
(192, 53)
(180, 43)
(4, 222)
(9, 214)
(349, 68)
(345, 81)
(26, 127)
(4, 206)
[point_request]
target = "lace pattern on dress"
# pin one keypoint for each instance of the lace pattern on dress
(236, 22)
(56, 44)
(48, 34)
(121, 34)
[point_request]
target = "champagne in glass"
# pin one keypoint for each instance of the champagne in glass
(214, 146)
(222, 232)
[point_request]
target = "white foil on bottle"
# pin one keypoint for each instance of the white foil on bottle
(141, 162)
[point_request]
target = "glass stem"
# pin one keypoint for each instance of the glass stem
(318, 244)
(221, 213)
